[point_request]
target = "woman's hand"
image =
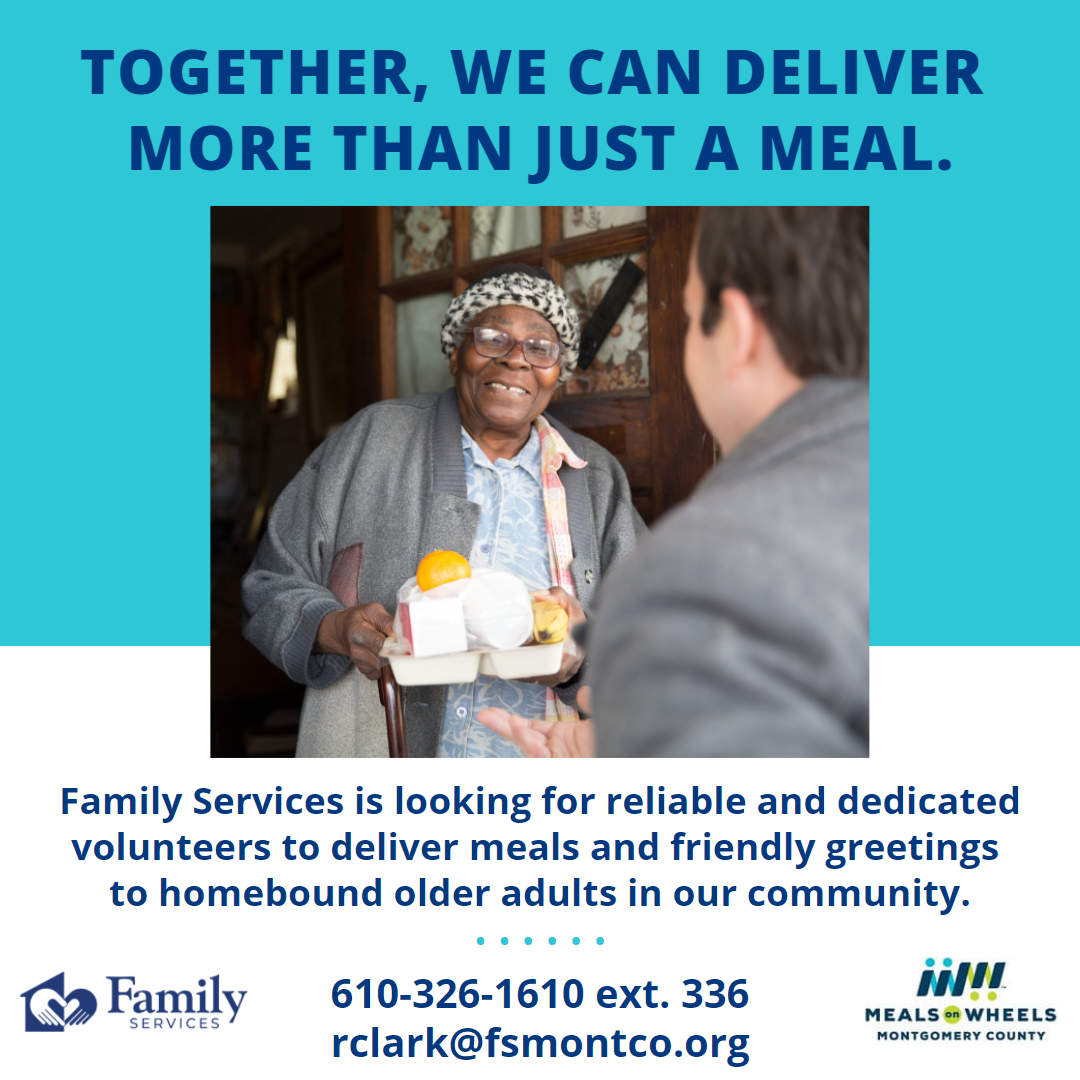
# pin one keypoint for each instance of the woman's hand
(358, 633)
(542, 738)
(573, 655)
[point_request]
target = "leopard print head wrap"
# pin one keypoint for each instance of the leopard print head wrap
(523, 286)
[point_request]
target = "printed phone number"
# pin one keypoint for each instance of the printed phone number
(449, 994)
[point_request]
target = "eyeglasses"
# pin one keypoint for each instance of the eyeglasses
(540, 352)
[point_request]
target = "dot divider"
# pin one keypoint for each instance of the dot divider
(529, 941)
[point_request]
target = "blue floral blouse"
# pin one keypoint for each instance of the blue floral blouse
(511, 535)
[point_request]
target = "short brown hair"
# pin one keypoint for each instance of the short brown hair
(806, 270)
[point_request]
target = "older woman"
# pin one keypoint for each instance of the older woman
(479, 470)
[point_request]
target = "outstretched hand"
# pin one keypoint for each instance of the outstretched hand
(542, 738)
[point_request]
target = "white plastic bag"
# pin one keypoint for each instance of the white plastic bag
(498, 610)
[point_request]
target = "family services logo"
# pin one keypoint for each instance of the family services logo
(958, 1002)
(49, 1009)
(202, 1005)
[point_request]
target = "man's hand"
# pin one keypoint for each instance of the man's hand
(358, 633)
(542, 738)
(572, 652)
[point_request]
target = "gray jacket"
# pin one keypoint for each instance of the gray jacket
(741, 626)
(384, 490)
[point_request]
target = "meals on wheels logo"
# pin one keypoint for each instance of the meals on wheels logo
(49, 1009)
(959, 1001)
(968, 978)
(204, 1006)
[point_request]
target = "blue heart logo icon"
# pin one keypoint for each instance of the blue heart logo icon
(49, 1009)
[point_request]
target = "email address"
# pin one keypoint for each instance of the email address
(468, 1043)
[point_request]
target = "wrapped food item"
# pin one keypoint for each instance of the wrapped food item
(433, 627)
(498, 610)
(431, 622)
(550, 621)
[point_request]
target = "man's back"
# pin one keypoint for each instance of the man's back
(741, 627)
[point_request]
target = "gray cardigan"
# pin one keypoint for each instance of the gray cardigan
(741, 626)
(392, 479)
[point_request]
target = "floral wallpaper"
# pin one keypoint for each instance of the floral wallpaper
(578, 220)
(422, 239)
(623, 360)
(498, 230)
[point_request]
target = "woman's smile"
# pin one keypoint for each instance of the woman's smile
(506, 388)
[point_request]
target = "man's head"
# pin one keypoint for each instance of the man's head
(775, 295)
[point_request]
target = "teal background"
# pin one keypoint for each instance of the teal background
(975, 375)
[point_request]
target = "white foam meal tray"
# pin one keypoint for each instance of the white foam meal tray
(461, 667)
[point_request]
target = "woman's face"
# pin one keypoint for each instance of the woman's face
(507, 393)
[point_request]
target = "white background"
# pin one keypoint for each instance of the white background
(111, 720)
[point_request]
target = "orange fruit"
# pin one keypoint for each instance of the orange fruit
(440, 567)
